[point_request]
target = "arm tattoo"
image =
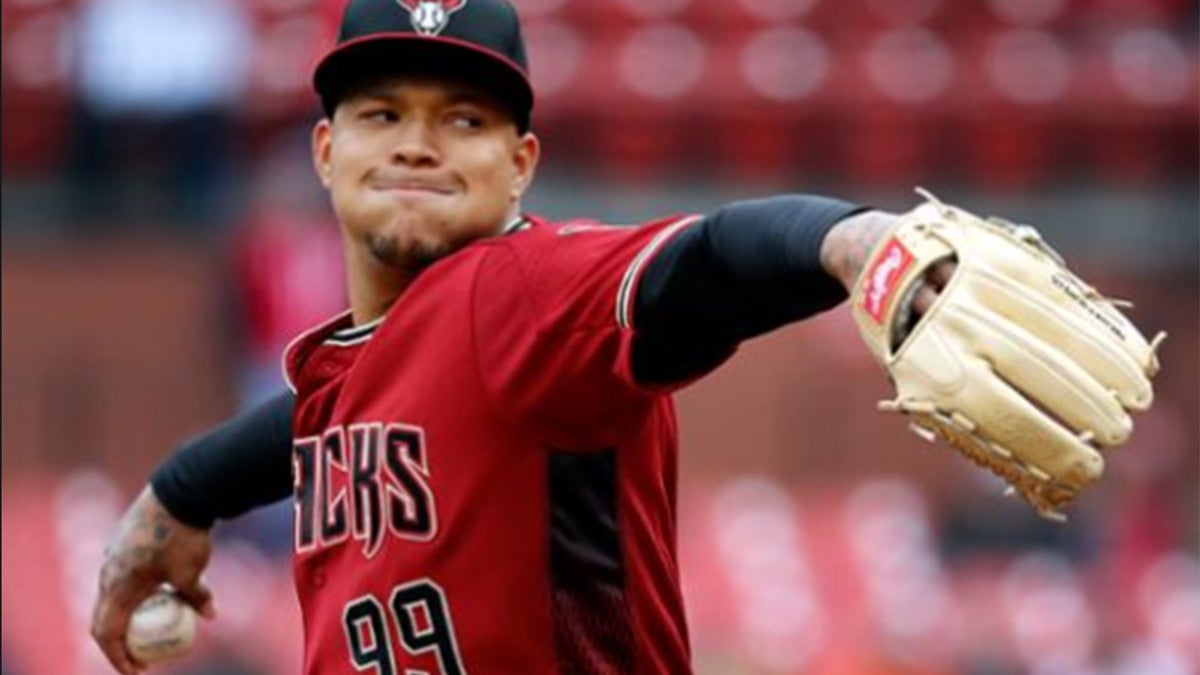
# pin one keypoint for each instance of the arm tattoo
(850, 243)
(142, 541)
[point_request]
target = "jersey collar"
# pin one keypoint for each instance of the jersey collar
(518, 224)
(353, 335)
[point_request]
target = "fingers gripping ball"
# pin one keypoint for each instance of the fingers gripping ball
(161, 628)
(1019, 364)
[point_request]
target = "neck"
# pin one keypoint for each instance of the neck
(372, 286)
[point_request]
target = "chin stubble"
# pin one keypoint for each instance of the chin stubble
(387, 250)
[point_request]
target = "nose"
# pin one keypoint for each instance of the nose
(415, 144)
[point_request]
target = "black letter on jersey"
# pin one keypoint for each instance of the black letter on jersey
(410, 511)
(305, 482)
(333, 507)
(364, 486)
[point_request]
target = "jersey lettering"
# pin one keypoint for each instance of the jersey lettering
(333, 509)
(304, 467)
(368, 506)
(377, 482)
(411, 515)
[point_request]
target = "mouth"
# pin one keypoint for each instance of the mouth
(413, 188)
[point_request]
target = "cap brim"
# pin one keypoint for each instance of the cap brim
(388, 53)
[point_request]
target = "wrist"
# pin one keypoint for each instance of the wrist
(154, 509)
(849, 244)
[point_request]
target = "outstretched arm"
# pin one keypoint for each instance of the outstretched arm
(1016, 362)
(742, 271)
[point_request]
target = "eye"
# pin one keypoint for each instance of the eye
(466, 119)
(378, 115)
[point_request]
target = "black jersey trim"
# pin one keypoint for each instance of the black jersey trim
(593, 627)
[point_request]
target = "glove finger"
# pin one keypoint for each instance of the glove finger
(1047, 377)
(1073, 331)
(1003, 416)
(1109, 319)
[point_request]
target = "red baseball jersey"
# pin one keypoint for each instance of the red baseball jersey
(480, 485)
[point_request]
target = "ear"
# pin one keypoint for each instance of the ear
(322, 148)
(525, 158)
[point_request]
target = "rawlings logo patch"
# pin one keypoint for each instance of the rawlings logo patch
(429, 17)
(882, 276)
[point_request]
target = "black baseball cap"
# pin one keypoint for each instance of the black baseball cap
(478, 41)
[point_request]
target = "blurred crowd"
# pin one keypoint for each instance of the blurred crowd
(164, 238)
(159, 109)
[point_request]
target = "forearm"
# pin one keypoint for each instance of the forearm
(744, 270)
(234, 468)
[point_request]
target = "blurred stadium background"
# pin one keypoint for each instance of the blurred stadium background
(162, 237)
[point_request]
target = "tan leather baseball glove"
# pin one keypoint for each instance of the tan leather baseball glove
(1019, 364)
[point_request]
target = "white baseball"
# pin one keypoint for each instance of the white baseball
(161, 628)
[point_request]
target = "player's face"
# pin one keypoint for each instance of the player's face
(417, 168)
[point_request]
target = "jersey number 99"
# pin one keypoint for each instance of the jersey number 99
(422, 618)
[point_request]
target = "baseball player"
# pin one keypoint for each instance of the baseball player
(482, 450)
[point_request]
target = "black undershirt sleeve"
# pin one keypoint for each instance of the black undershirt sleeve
(232, 469)
(742, 271)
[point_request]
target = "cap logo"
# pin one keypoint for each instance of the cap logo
(429, 17)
